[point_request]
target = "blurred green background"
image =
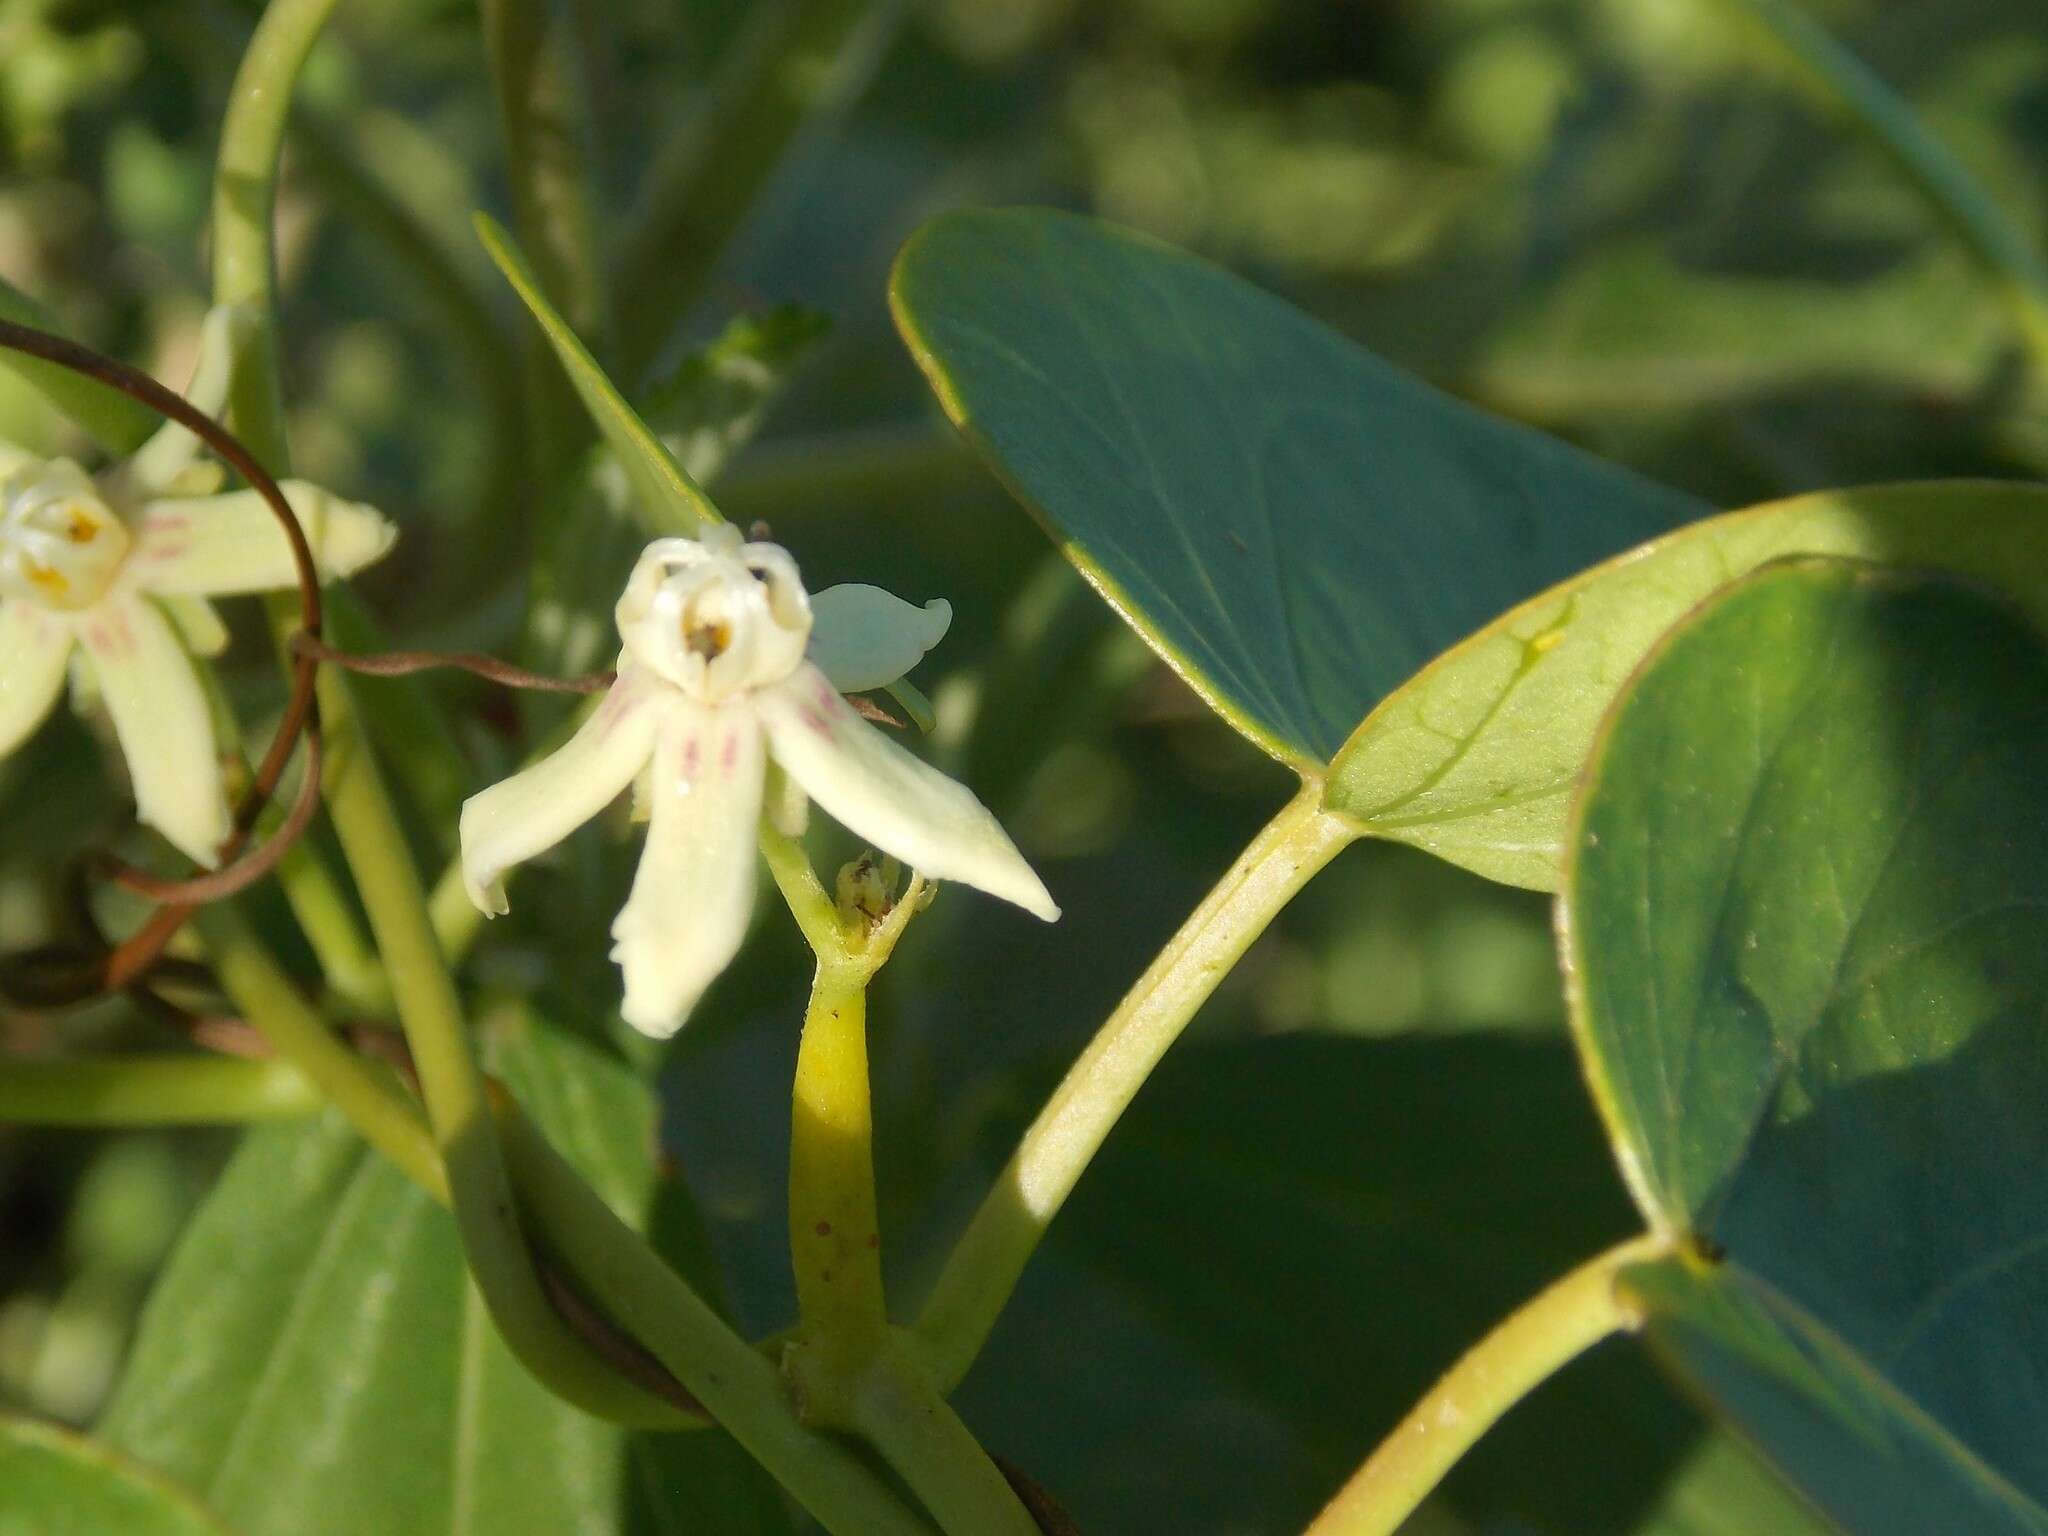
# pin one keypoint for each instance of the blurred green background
(1616, 219)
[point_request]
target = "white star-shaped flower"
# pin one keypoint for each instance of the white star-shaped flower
(727, 663)
(110, 575)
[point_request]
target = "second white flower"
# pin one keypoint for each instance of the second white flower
(720, 672)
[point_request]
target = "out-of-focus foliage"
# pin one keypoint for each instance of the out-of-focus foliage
(1603, 217)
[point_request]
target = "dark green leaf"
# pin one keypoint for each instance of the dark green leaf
(1476, 757)
(54, 1483)
(313, 1358)
(1806, 919)
(1293, 524)
(1302, 1212)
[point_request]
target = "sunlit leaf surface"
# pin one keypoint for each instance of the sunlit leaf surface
(1806, 919)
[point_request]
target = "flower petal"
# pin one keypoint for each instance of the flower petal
(863, 637)
(896, 802)
(151, 689)
(198, 624)
(34, 645)
(218, 545)
(535, 809)
(13, 456)
(694, 891)
(151, 469)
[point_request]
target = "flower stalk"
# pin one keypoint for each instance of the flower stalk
(834, 1233)
(1534, 1344)
(125, 1091)
(984, 1266)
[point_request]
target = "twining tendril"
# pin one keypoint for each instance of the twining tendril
(405, 663)
(121, 965)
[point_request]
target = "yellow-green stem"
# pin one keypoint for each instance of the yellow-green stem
(450, 1081)
(360, 1089)
(106, 1091)
(834, 1235)
(732, 1379)
(244, 202)
(983, 1268)
(903, 1415)
(608, 1261)
(1547, 1334)
(422, 988)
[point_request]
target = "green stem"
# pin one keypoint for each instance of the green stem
(1890, 124)
(983, 1268)
(456, 920)
(834, 1233)
(450, 1081)
(797, 60)
(738, 1384)
(806, 898)
(607, 1260)
(245, 200)
(422, 989)
(1535, 1343)
(348, 965)
(355, 976)
(905, 1417)
(373, 1101)
(153, 1090)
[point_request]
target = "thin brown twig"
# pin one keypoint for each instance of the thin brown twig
(135, 954)
(245, 871)
(404, 663)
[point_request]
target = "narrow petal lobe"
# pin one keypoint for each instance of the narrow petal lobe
(149, 687)
(863, 637)
(535, 809)
(694, 890)
(172, 449)
(34, 645)
(878, 790)
(218, 545)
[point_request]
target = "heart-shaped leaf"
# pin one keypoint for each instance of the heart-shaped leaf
(1475, 759)
(1805, 921)
(1293, 524)
(314, 1359)
(55, 1483)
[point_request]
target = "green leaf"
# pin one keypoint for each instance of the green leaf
(1294, 525)
(313, 1357)
(55, 1483)
(1806, 931)
(117, 423)
(1307, 1214)
(1476, 758)
(667, 499)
